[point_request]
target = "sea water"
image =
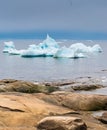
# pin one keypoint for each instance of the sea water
(49, 68)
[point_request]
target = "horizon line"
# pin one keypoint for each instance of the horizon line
(77, 35)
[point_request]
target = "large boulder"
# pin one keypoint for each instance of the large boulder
(61, 123)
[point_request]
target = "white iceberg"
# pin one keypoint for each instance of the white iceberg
(68, 53)
(50, 51)
(32, 53)
(33, 47)
(96, 48)
(8, 46)
(64, 52)
(48, 43)
(15, 52)
(78, 50)
(47, 48)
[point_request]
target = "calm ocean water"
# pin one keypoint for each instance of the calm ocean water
(50, 69)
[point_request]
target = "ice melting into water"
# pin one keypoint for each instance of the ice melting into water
(49, 47)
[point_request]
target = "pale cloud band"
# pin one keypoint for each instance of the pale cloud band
(25, 15)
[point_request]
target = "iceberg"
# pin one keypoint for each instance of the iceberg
(33, 51)
(47, 48)
(50, 46)
(78, 50)
(65, 52)
(15, 52)
(48, 43)
(96, 48)
(50, 52)
(8, 46)
(33, 47)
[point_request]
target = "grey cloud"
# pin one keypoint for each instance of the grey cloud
(53, 14)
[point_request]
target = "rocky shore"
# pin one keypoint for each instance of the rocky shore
(57, 105)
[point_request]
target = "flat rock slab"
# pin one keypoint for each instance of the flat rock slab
(61, 123)
(76, 101)
(18, 109)
(17, 128)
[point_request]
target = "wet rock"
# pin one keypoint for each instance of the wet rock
(6, 81)
(78, 84)
(86, 87)
(59, 83)
(10, 85)
(61, 123)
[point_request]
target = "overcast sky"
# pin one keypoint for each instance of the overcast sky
(25, 15)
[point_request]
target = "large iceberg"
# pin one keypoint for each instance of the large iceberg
(8, 46)
(47, 48)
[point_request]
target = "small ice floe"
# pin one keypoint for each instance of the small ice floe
(8, 46)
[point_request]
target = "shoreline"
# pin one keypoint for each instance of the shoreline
(30, 103)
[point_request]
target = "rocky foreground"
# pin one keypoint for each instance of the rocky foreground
(51, 106)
